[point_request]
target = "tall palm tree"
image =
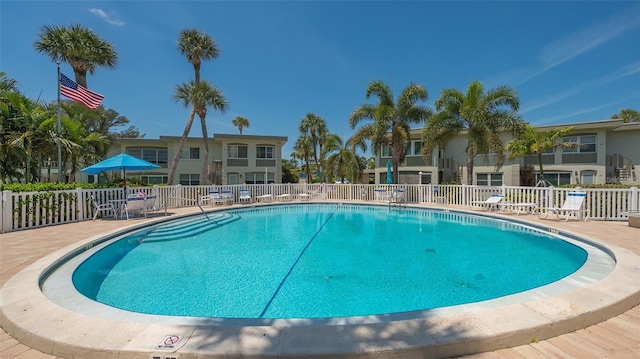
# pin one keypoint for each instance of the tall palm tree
(197, 46)
(316, 127)
(389, 116)
(483, 115)
(240, 122)
(302, 150)
(535, 142)
(78, 46)
(199, 95)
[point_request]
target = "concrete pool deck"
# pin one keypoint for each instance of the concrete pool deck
(61, 333)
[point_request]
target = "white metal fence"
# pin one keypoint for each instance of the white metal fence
(25, 210)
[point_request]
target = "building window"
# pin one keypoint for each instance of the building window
(154, 179)
(258, 178)
(417, 148)
(265, 151)
(489, 179)
(555, 178)
(237, 151)
(586, 144)
(155, 155)
(189, 179)
(190, 153)
(386, 151)
(413, 148)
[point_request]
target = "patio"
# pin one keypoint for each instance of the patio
(618, 337)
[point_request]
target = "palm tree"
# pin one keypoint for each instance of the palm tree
(316, 127)
(200, 95)
(197, 46)
(344, 163)
(392, 117)
(628, 115)
(302, 149)
(7, 83)
(78, 46)
(240, 122)
(482, 115)
(33, 133)
(536, 142)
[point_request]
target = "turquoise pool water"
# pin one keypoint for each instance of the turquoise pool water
(319, 261)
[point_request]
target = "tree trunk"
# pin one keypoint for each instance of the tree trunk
(470, 156)
(309, 178)
(540, 165)
(176, 157)
(81, 77)
(205, 137)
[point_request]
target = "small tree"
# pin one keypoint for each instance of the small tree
(536, 142)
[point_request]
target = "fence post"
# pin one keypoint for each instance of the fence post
(80, 204)
(5, 212)
(550, 195)
(634, 205)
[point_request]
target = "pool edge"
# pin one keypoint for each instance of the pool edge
(460, 334)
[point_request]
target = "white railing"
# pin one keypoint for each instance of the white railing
(25, 210)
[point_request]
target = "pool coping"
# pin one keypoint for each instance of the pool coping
(33, 319)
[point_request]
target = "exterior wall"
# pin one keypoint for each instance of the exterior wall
(254, 168)
(221, 169)
(612, 137)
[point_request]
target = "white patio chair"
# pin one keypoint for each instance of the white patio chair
(573, 204)
(105, 207)
(245, 196)
(489, 203)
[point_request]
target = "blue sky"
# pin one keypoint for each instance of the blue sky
(570, 61)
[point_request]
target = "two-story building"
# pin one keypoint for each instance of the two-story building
(233, 159)
(609, 152)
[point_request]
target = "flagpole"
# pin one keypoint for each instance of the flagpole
(60, 166)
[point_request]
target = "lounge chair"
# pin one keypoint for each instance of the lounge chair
(245, 196)
(489, 203)
(382, 195)
(573, 204)
(265, 198)
(105, 207)
(304, 196)
(285, 197)
(227, 196)
(397, 196)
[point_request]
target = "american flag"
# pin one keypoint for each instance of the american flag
(72, 90)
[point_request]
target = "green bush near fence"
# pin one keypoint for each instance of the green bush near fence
(46, 187)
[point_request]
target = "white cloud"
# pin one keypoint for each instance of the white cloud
(575, 44)
(106, 17)
(560, 117)
(628, 70)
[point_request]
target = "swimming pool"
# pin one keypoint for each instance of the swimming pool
(62, 322)
(321, 261)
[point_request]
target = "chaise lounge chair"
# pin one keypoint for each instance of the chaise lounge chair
(573, 204)
(245, 196)
(489, 203)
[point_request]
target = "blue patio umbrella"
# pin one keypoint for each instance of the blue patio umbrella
(119, 162)
(389, 178)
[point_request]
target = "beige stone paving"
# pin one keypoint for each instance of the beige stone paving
(618, 337)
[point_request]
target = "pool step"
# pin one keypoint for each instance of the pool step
(190, 228)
